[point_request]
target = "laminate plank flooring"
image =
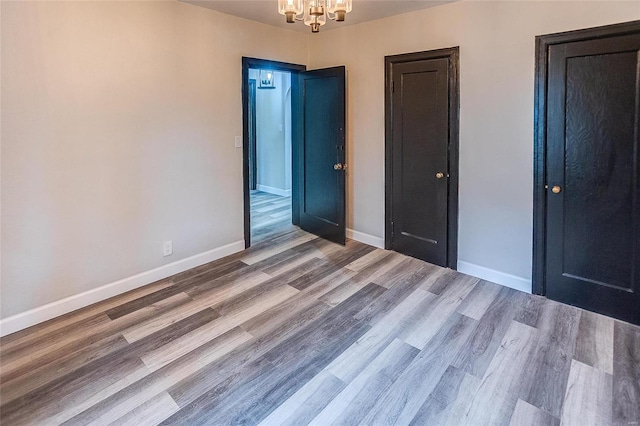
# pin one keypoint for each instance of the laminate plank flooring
(437, 407)
(297, 330)
(270, 215)
(585, 387)
(626, 374)
(558, 329)
(529, 415)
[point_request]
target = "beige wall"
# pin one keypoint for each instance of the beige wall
(496, 42)
(118, 124)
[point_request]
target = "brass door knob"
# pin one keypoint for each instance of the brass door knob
(337, 166)
(556, 189)
(439, 175)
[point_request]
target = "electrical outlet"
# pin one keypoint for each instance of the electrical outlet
(167, 248)
(238, 141)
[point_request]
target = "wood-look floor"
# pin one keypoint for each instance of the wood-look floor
(297, 331)
(270, 216)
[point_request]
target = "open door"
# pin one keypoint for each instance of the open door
(322, 153)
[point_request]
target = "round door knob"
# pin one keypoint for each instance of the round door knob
(439, 175)
(556, 189)
(337, 166)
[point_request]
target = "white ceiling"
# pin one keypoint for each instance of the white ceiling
(266, 11)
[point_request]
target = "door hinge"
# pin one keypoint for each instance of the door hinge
(393, 86)
(393, 228)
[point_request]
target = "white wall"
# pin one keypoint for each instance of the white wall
(118, 124)
(496, 40)
(273, 134)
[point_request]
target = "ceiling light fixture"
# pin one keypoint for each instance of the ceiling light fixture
(314, 13)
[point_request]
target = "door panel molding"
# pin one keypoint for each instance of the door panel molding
(256, 63)
(543, 46)
(452, 55)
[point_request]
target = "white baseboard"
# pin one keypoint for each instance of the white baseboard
(274, 191)
(365, 238)
(502, 278)
(507, 280)
(69, 304)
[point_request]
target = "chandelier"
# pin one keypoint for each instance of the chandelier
(314, 13)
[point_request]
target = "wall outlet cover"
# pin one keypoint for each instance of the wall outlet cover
(167, 248)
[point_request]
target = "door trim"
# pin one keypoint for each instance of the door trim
(256, 63)
(253, 148)
(453, 55)
(543, 43)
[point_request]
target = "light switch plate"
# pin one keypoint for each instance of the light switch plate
(238, 141)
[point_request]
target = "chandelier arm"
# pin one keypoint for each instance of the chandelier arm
(330, 15)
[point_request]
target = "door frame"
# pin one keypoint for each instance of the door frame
(296, 123)
(453, 55)
(253, 149)
(543, 43)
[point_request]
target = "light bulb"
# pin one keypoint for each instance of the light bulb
(290, 8)
(339, 7)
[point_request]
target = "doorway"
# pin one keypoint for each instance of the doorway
(294, 150)
(421, 120)
(587, 177)
(270, 141)
(274, 212)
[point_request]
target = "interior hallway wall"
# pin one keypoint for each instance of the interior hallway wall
(273, 134)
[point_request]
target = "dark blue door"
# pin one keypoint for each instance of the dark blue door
(323, 153)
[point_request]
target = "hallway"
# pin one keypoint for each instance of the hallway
(270, 216)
